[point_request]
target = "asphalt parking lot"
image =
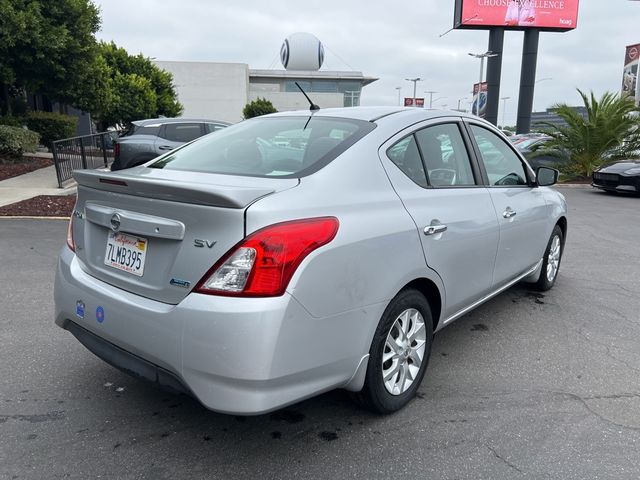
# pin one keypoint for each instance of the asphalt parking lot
(526, 386)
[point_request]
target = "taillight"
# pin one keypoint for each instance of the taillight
(263, 263)
(116, 151)
(70, 242)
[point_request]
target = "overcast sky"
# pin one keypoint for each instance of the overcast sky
(391, 40)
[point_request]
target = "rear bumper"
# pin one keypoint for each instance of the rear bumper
(238, 356)
(125, 361)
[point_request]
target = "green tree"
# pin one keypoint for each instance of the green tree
(610, 132)
(131, 87)
(46, 47)
(260, 106)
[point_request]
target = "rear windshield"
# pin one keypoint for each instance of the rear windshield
(269, 147)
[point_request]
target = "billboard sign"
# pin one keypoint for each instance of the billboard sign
(557, 15)
(480, 99)
(408, 102)
(630, 75)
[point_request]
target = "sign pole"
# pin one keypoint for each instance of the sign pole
(527, 79)
(494, 72)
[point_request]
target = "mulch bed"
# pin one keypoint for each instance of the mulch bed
(41, 206)
(10, 169)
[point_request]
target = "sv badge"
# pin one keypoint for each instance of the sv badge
(203, 243)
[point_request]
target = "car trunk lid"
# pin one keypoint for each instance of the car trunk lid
(155, 233)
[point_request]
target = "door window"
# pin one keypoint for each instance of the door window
(445, 156)
(503, 166)
(182, 132)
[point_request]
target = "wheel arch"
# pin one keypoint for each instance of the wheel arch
(562, 223)
(431, 292)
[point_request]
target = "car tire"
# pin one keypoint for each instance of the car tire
(407, 325)
(551, 260)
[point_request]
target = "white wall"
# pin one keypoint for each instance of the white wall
(286, 101)
(216, 91)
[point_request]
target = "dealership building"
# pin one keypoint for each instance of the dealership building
(219, 91)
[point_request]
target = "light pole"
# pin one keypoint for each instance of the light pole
(415, 81)
(481, 56)
(399, 89)
(538, 81)
(439, 98)
(504, 108)
(430, 92)
(460, 100)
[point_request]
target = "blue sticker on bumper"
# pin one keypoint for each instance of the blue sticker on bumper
(80, 309)
(100, 314)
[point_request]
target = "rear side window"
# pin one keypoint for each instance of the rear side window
(406, 156)
(138, 130)
(182, 132)
(153, 131)
(269, 147)
(214, 127)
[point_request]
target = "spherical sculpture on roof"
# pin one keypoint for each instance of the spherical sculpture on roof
(302, 51)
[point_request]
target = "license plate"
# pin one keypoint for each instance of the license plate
(126, 253)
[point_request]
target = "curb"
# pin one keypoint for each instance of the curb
(573, 185)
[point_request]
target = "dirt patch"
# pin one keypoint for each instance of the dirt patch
(9, 169)
(41, 206)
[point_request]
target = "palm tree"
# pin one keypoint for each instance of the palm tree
(610, 132)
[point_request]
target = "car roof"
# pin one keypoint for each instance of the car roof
(372, 114)
(162, 121)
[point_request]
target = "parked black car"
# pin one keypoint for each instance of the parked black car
(622, 177)
(146, 139)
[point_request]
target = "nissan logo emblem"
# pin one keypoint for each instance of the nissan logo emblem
(115, 222)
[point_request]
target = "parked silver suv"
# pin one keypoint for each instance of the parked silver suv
(146, 139)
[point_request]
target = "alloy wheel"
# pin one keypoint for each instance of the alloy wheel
(404, 351)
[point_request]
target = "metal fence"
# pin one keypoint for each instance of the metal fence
(87, 151)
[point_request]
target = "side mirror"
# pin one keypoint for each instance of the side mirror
(546, 176)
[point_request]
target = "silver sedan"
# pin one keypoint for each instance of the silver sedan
(300, 252)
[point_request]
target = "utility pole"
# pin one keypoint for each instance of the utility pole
(504, 108)
(399, 89)
(431, 92)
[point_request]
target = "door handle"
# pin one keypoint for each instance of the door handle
(435, 229)
(508, 213)
(165, 147)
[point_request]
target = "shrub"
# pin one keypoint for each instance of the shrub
(258, 107)
(15, 141)
(12, 121)
(51, 126)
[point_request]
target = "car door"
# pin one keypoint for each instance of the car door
(173, 135)
(441, 188)
(520, 206)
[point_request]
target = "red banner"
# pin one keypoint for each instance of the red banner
(630, 74)
(518, 14)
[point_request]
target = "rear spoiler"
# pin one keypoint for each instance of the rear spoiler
(184, 187)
